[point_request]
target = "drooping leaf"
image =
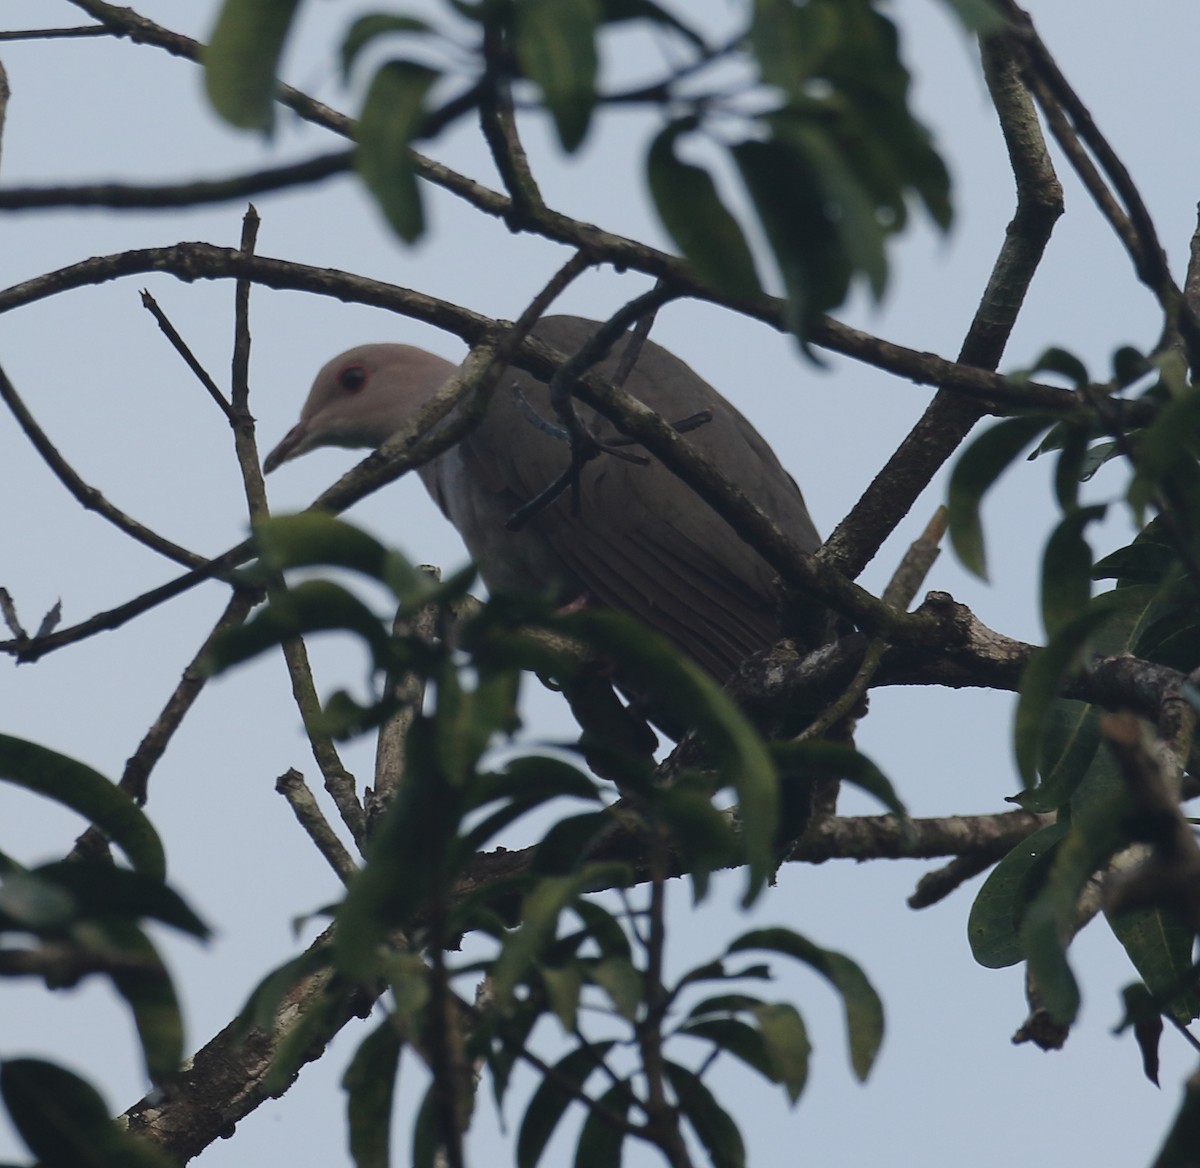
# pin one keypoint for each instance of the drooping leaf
(372, 26)
(1160, 948)
(695, 217)
(370, 1084)
(1097, 832)
(90, 794)
(1043, 677)
(100, 889)
(688, 695)
(1067, 568)
(993, 927)
(713, 1125)
(599, 1140)
(864, 1010)
(312, 606)
(242, 58)
(390, 118)
(552, 1098)
(556, 46)
(64, 1121)
(975, 472)
(150, 994)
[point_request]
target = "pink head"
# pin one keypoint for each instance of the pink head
(361, 398)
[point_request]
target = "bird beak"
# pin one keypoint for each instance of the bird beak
(293, 444)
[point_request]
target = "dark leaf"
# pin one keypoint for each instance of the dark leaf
(977, 469)
(551, 1099)
(391, 116)
(242, 58)
(1043, 677)
(100, 889)
(556, 46)
(375, 24)
(864, 1010)
(1067, 568)
(370, 1083)
(83, 790)
(691, 210)
(710, 1121)
(993, 928)
(600, 1140)
(64, 1121)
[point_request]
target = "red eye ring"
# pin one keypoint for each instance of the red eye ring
(352, 378)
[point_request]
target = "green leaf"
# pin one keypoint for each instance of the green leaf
(265, 999)
(691, 210)
(977, 469)
(64, 1121)
(1069, 744)
(99, 889)
(599, 1140)
(90, 794)
(791, 206)
(1055, 360)
(843, 762)
(150, 995)
(370, 1084)
(391, 117)
(409, 856)
(375, 24)
(710, 1121)
(312, 606)
(30, 903)
(1067, 568)
(864, 1010)
(787, 1045)
(1098, 831)
(556, 47)
(689, 696)
(735, 1037)
(563, 986)
(551, 1099)
(993, 927)
(1043, 677)
(242, 58)
(1160, 948)
(703, 836)
(565, 846)
(622, 981)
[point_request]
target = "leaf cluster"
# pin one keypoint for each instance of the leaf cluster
(564, 937)
(1028, 909)
(820, 132)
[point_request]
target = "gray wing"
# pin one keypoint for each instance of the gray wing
(642, 541)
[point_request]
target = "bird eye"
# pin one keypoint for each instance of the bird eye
(352, 378)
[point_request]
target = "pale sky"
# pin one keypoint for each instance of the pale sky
(949, 1086)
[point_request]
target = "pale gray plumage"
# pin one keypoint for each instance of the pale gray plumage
(642, 542)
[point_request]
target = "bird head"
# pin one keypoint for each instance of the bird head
(361, 398)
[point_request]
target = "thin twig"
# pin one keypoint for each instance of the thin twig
(949, 417)
(183, 349)
(88, 496)
(308, 814)
(170, 196)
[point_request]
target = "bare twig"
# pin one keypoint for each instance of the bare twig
(950, 417)
(169, 196)
(183, 349)
(292, 787)
(88, 496)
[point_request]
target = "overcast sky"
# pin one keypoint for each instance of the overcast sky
(949, 1085)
